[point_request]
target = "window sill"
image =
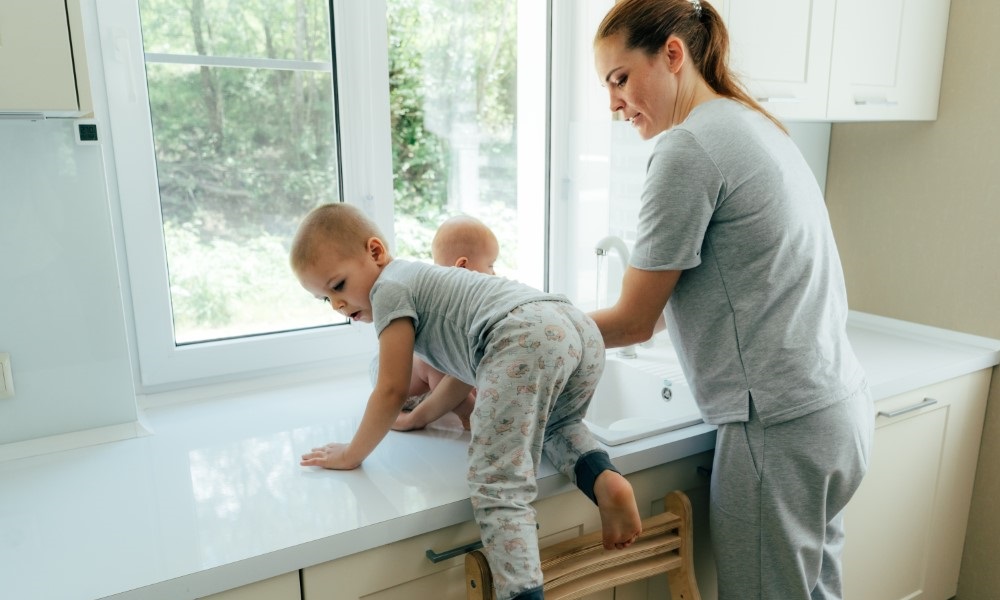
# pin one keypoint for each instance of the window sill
(347, 370)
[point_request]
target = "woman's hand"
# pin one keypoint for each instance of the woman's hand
(330, 456)
(638, 313)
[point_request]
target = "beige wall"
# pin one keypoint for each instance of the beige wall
(916, 211)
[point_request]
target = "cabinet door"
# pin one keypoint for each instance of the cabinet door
(692, 476)
(401, 571)
(894, 508)
(283, 587)
(781, 50)
(36, 60)
(906, 524)
(887, 59)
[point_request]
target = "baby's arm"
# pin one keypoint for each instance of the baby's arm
(449, 394)
(395, 362)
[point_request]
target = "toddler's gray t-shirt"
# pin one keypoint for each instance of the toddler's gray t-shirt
(452, 309)
(761, 306)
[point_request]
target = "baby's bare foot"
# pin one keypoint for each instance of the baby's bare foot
(620, 521)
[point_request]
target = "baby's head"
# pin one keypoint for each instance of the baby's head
(337, 254)
(465, 242)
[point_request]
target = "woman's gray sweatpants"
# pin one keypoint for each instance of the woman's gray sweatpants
(535, 381)
(778, 495)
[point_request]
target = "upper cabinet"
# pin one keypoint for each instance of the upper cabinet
(887, 59)
(840, 60)
(42, 58)
(781, 48)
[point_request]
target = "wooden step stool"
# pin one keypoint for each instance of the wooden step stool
(581, 566)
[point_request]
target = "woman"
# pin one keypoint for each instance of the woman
(734, 232)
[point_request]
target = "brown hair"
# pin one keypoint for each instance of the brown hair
(646, 25)
(342, 225)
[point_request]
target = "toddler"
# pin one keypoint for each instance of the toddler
(534, 358)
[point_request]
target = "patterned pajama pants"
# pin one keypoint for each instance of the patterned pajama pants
(537, 376)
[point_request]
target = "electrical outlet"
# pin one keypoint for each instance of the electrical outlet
(6, 379)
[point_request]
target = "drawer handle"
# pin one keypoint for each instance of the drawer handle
(902, 411)
(434, 557)
(778, 99)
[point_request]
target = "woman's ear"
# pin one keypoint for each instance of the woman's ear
(674, 51)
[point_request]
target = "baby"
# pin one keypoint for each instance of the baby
(534, 358)
(464, 242)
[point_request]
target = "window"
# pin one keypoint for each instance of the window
(231, 120)
(467, 84)
(241, 102)
(226, 130)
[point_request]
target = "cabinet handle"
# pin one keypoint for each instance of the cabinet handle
(902, 411)
(874, 102)
(434, 557)
(779, 99)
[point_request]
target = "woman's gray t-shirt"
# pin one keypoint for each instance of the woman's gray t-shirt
(761, 305)
(452, 309)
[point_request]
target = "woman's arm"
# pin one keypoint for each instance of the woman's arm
(633, 319)
(395, 352)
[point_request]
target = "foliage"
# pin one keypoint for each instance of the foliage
(243, 153)
(212, 299)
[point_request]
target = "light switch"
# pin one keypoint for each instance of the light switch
(6, 379)
(85, 132)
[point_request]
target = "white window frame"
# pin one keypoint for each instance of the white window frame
(365, 161)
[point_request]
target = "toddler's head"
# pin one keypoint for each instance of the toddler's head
(337, 254)
(466, 242)
(331, 226)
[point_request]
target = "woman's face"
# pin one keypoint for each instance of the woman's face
(642, 87)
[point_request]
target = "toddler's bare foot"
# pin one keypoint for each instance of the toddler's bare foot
(620, 521)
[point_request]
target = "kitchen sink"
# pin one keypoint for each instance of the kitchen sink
(641, 397)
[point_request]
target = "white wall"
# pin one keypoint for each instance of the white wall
(61, 313)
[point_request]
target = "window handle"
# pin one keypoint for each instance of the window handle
(123, 54)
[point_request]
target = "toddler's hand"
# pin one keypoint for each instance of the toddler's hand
(330, 456)
(406, 422)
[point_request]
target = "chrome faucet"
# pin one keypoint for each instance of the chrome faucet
(603, 248)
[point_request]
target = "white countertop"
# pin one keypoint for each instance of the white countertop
(215, 499)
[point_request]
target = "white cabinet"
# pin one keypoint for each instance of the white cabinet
(840, 60)
(42, 58)
(690, 475)
(282, 587)
(401, 571)
(906, 524)
(781, 49)
(887, 59)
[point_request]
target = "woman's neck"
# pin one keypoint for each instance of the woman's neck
(689, 96)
